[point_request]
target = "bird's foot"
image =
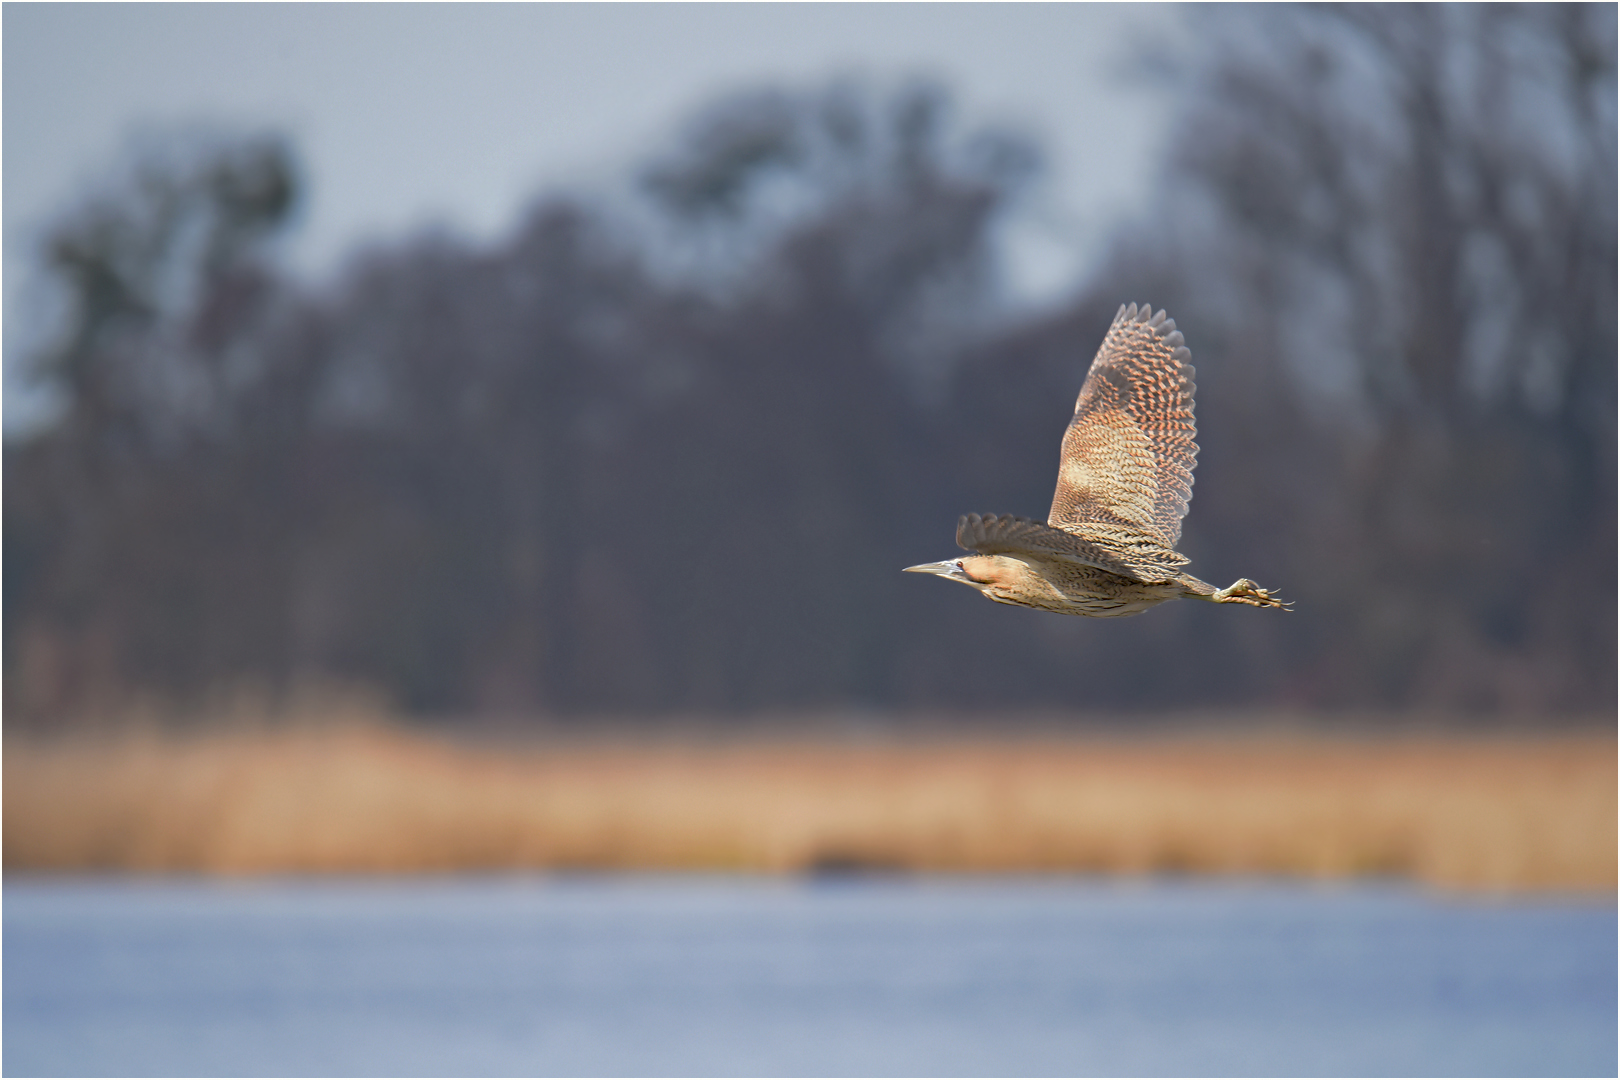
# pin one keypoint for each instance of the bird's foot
(1244, 591)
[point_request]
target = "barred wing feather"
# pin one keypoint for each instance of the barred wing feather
(1008, 534)
(1126, 468)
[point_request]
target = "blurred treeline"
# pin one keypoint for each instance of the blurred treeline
(666, 450)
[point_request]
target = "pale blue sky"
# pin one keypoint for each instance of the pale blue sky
(456, 115)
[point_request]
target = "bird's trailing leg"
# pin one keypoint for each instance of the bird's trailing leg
(1244, 591)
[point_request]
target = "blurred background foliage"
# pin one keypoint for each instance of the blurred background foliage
(667, 452)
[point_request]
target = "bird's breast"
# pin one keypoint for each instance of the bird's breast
(1073, 588)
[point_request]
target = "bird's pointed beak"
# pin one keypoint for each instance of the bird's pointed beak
(947, 568)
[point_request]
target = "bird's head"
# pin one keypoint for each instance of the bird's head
(992, 575)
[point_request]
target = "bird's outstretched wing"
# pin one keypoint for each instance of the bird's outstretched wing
(1008, 534)
(1126, 468)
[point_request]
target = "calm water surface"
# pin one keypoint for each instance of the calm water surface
(710, 976)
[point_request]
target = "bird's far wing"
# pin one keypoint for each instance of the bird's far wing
(1011, 535)
(1128, 454)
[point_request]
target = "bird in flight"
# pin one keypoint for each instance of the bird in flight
(1108, 547)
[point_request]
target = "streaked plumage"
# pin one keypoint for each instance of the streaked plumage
(1125, 476)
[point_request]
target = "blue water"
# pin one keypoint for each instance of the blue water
(709, 976)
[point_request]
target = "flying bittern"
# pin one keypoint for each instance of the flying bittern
(1124, 478)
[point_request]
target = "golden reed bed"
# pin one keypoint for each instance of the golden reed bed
(1503, 813)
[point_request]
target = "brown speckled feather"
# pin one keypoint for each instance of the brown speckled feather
(1126, 470)
(1007, 533)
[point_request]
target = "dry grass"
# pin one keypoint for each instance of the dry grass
(1490, 813)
